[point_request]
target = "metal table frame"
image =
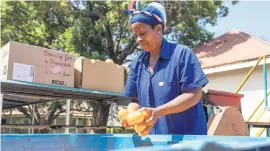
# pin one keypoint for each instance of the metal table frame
(265, 125)
(17, 93)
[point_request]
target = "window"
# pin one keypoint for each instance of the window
(4, 121)
(73, 122)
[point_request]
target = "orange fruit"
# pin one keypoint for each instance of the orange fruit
(93, 60)
(143, 133)
(135, 118)
(133, 107)
(109, 61)
(124, 123)
(147, 114)
(122, 114)
(139, 127)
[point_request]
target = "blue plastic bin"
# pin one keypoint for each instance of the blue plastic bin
(127, 142)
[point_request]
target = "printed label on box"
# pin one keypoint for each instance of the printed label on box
(58, 82)
(23, 72)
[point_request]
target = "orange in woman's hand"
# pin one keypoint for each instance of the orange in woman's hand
(143, 133)
(130, 110)
(139, 127)
(135, 118)
(122, 114)
(124, 123)
(147, 114)
(133, 107)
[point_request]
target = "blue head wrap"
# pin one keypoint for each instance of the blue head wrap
(152, 14)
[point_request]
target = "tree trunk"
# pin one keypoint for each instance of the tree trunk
(100, 116)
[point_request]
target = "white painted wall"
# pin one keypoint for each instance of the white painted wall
(253, 89)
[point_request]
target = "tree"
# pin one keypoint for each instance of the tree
(98, 29)
(51, 110)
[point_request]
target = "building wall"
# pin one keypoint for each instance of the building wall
(230, 80)
(253, 89)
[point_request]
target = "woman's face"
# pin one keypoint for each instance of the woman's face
(147, 37)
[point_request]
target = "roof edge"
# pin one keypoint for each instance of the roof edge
(230, 63)
(233, 66)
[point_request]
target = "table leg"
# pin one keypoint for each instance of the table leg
(67, 114)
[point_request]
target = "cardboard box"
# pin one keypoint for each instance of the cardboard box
(98, 75)
(29, 63)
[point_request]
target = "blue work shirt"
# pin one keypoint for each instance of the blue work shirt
(177, 71)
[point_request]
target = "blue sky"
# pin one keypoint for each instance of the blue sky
(251, 17)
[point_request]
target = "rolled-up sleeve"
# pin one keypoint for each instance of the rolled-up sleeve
(191, 73)
(131, 87)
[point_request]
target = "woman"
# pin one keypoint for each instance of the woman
(166, 78)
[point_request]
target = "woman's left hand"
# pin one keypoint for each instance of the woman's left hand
(151, 121)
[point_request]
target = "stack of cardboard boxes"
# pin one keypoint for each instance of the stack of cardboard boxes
(29, 63)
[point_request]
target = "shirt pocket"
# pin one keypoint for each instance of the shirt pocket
(169, 91)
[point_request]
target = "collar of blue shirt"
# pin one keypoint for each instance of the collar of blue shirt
(164, 51)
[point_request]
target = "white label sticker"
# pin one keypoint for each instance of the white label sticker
(23, 72)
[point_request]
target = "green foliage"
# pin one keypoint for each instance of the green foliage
(189, 18)
(34, 22)
(120, 130)
(54, 108)
(98, 29)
